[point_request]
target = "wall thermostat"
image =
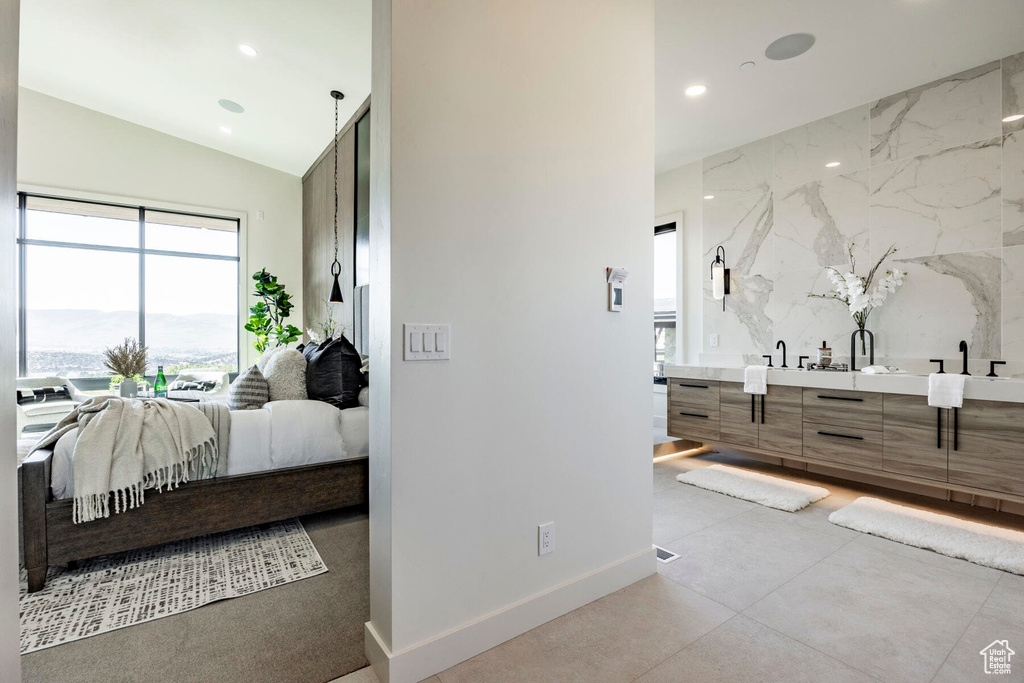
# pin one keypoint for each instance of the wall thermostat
(614, 296)
(616, 283)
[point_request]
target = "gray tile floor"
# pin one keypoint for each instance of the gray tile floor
(763, 595)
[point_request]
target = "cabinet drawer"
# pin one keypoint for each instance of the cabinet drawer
(830, 443)
(694, 424)
(858, 409)
(693, 392)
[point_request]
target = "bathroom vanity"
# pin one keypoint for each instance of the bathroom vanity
(874, 424)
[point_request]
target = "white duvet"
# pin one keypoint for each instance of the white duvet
(279, 435)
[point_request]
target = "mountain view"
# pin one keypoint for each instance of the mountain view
(71, 342)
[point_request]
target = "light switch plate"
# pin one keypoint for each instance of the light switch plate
(426, 346)
(714, 340)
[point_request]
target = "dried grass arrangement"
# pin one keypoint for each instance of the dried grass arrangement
(127, 359)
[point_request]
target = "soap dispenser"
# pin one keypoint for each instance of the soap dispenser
(824, 355)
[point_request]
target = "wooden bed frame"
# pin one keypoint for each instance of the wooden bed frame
(201, 507)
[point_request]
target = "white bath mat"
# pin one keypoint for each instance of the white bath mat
(990, 546)
(773, 492)
(123, 589)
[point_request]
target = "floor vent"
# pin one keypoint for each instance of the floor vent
(665, 555)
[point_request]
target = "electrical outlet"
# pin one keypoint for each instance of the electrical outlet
(714, 341)
(545, 538)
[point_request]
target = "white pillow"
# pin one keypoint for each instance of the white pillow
(286, 375)
(264, 360)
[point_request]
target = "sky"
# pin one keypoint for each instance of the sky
(665, 265)
(60, 278)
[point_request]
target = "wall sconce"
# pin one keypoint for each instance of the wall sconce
(719, 276)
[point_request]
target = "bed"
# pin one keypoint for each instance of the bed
(289, 458)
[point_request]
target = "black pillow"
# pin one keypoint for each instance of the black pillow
(309, 349)
(332, 372)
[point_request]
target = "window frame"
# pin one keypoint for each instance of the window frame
(662, 225)
(23, 242)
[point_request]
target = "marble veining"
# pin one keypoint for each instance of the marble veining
(740, 171)
(938, 203)
(744, 326)
(815, 223)
(744, 227)
(944, 113)
(1013, 303)
(804, 322)
(801, 153)
(1013, 189)
(1013, 91)
(968, 289)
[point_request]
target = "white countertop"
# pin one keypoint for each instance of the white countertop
(983, 388)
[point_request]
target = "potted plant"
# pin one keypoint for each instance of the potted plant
(266, 318)
(127, 359)
(856, 293)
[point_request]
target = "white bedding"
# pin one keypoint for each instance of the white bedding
(281, 434)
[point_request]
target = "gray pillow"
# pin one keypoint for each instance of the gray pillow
(286, 375)
(249, 391)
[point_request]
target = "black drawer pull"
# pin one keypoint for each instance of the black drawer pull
(694, 415)
(842, 436)
(841, 398)
(694, 386)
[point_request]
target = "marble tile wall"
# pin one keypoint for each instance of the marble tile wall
(933, 170)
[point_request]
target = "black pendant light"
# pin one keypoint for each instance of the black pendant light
(335, 297)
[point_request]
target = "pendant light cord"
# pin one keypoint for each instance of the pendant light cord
(336, 261)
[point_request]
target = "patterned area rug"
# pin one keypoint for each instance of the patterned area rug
(114, 591)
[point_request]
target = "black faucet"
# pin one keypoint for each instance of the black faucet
(963, 349)
(769, 357)
(853, 347)
(802, 358)
(783, 345)
(942, 365)
(992, 367)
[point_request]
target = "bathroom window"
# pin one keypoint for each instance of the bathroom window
(665, 254)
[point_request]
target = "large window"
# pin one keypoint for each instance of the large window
(92, 274)
(664, 297)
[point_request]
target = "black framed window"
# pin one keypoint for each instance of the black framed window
(93, 273)
(665, 274)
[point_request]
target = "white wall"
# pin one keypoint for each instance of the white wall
(674, 191)
(64, 146)
(10, 664)
(514, 180)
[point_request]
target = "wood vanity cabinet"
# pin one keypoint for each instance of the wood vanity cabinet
(986, 446)
(693, 409)
(915, 437)
(843, 427)
(979, 447)
(771, 422)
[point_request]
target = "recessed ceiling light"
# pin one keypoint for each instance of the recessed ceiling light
(788, 47)
(1013, 117)
(696, 90)
(709, 196)
(231, 106)
(225, 130)
(832, 164)
(248, 50)
(747, 66)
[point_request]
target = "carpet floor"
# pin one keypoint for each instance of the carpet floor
(310, 631)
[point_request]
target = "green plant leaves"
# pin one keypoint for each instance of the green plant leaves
(266, 317)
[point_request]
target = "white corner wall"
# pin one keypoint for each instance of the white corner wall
(681, 190)
(10, 662)
(66, 147)
(519, 145)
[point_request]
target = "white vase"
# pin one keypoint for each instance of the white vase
(129, 388)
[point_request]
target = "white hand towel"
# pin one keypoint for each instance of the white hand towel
(755, 379)
(946, 391)
(876, 370)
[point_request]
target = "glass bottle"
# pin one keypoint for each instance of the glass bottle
(160, 385)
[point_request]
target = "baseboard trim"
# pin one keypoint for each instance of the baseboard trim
(448, 649)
